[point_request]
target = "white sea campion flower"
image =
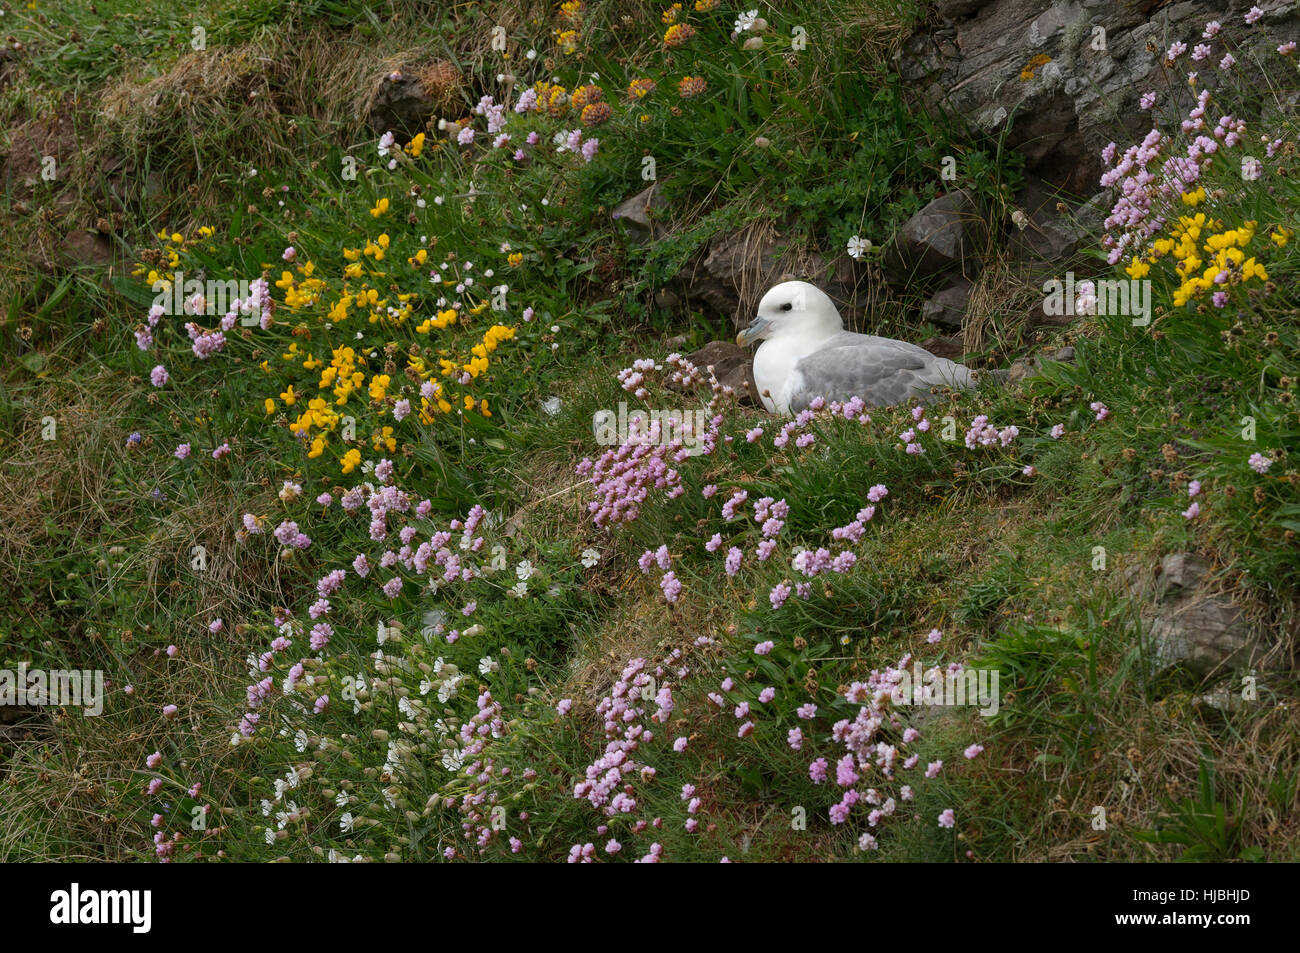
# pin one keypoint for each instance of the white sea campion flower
(524, 571)
(1020, 219)
(746, 21)
(589, 558)
(858, 247)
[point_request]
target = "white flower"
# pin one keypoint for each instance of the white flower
(266, 808)
(552, 405)
(447, 690)
(300, 740)
(858, 247)
(341, 799)
(346, 823)
(530, 55)
(452, 760)
(746, 21)
(269, 836)
(1020, 219)
(589, 558)
(518, 590)
(524, 570)
(291, 779)
(487, 666)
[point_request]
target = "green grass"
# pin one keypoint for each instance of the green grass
(1004, 564)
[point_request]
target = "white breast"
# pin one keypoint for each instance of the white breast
(773, 363)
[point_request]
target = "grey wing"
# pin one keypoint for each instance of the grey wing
(881, 371)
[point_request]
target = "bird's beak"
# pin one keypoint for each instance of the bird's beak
(752, 333)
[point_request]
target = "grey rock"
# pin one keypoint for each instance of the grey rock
(1051, 233)
(1063, 111)
(932, 241)
(732, 366)
(638, 213)
(84, 248)
(949, 346)
(948, 307)
(1180, 572)
(1205, 635)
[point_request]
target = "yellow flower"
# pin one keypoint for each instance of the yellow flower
(640, 88)
(289, 397)
(1194, 198)
(416, 145)
(594, 114)
(1281, 237)
(270, 406)
(351, 460)
(515, 259)
(691, 86)
(1137, 268)
(567, 40)
(678, 34)
(380, 208)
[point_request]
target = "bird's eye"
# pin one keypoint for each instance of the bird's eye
(787, 306)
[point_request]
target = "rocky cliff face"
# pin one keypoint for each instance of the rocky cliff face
(1066, 75)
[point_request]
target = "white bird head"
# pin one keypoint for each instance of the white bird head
(793, 308)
